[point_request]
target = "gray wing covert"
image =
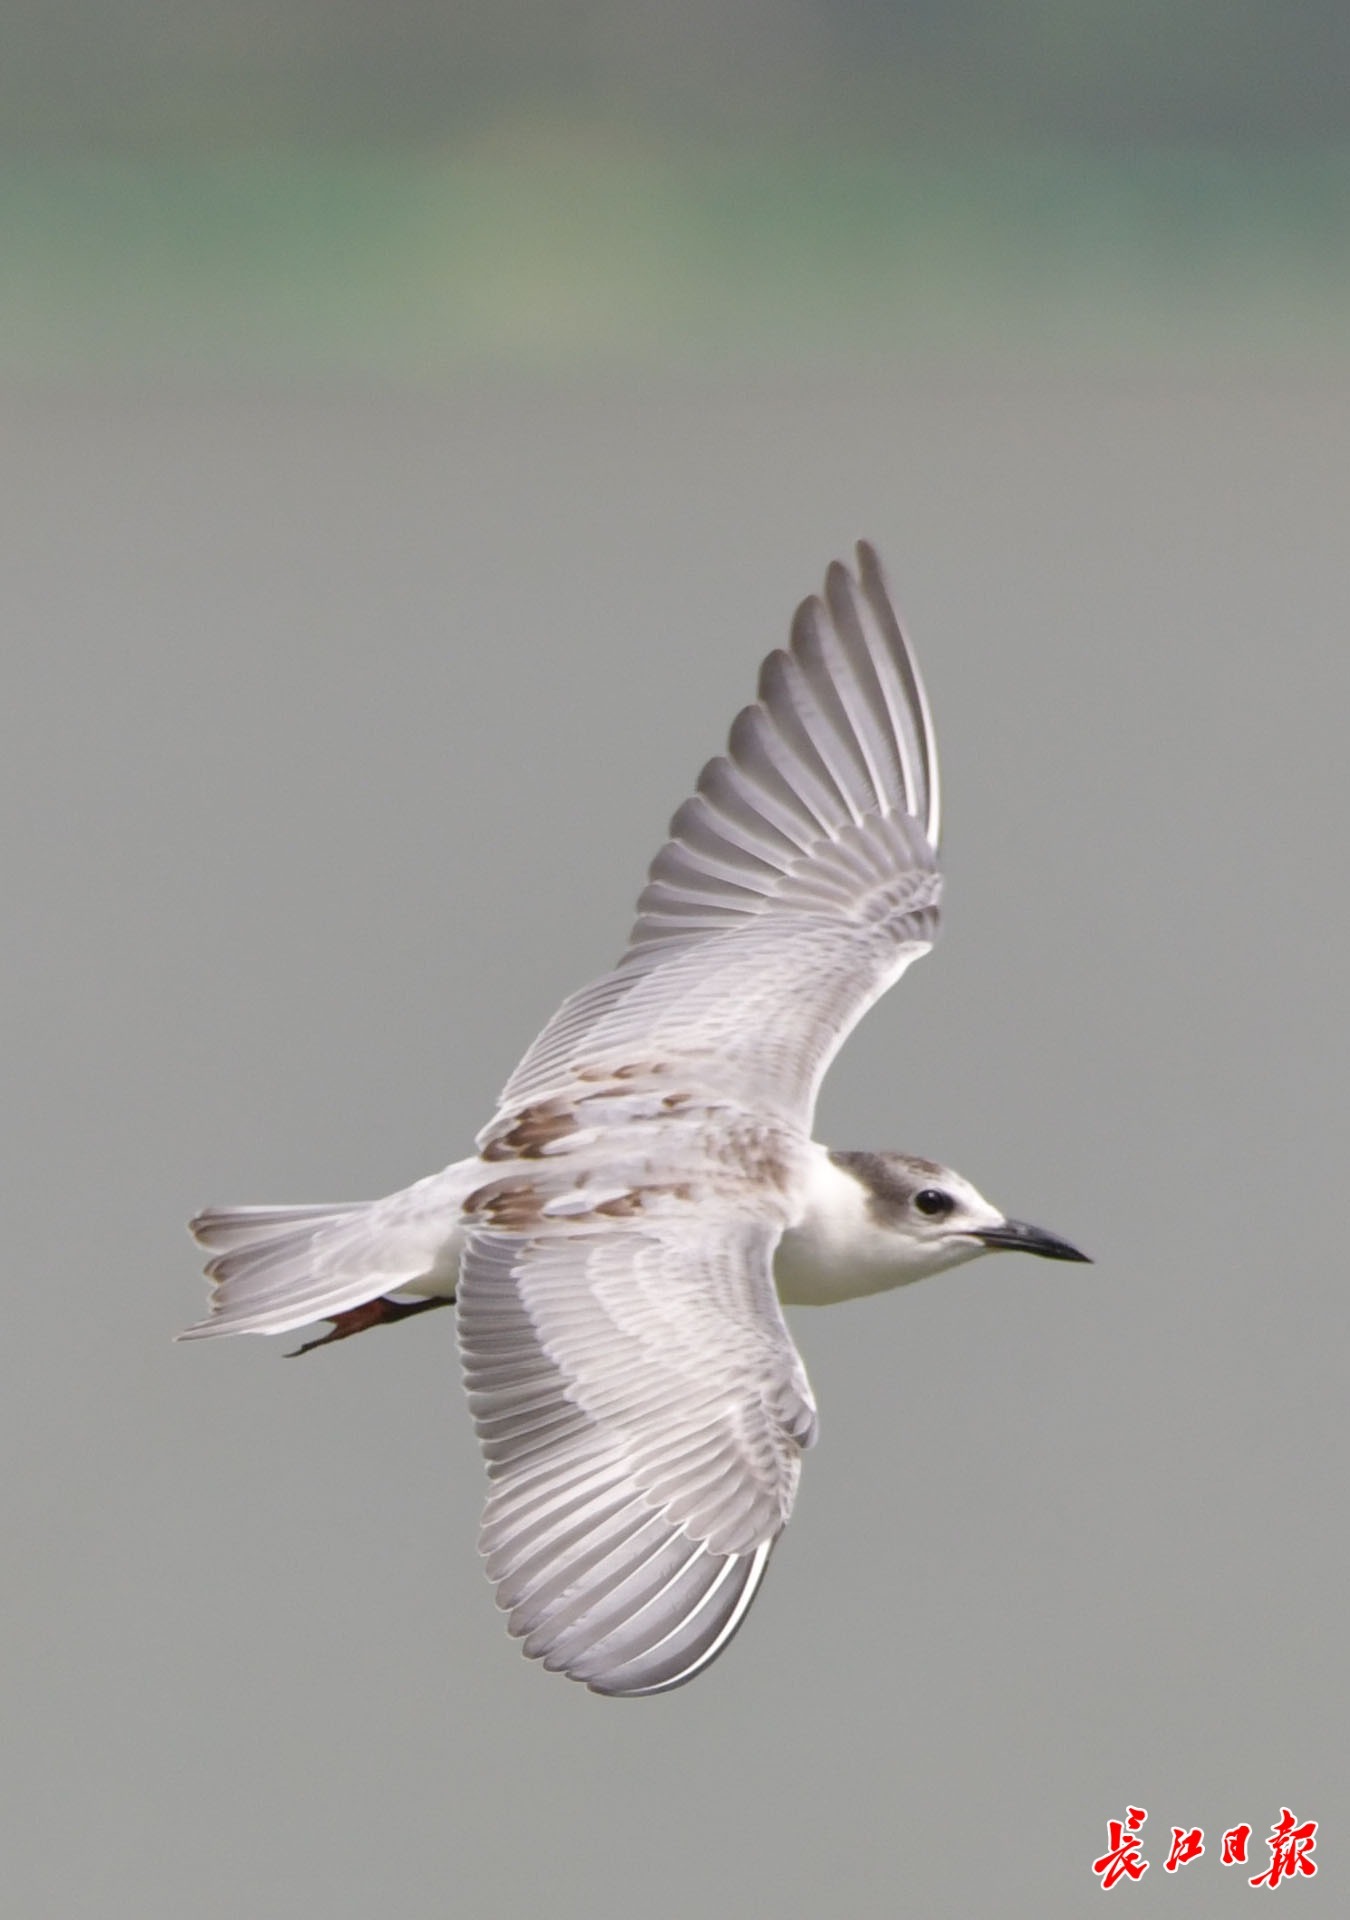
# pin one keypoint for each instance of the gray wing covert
(642, 1410)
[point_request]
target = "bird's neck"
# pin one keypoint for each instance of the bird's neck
(836, 1249)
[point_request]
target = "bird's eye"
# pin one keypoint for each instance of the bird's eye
(933, 1202)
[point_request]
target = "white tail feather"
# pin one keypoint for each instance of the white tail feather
(277, 1268)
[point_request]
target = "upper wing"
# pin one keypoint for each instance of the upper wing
(642, 1410)
(798, 882)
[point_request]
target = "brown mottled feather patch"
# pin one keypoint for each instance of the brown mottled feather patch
(532, 1132)
(510, 1206)
(622, 1207)
(631, 1070)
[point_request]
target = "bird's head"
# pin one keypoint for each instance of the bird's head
(932, 1218)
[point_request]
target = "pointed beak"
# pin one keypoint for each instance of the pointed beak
(1015, 1236)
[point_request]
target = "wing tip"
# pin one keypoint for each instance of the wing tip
(877, 591)
(690, 1666)
(869, 560)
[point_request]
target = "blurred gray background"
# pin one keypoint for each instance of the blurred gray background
(413, 429)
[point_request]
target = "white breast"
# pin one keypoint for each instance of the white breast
(836, 1250)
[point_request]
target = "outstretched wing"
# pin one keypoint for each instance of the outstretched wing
(642, 1410)
(797, 884)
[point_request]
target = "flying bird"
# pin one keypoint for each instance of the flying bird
(648, 1195)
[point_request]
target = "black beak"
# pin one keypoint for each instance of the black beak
(1015, 1236)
